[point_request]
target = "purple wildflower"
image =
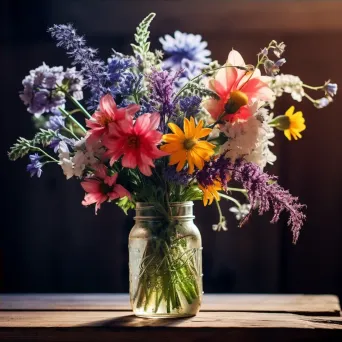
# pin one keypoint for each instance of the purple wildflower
(40, 94)
(189, 71)
(161, 98)
(265, 193)
(214, 170)
(61, 143)
(190, 105)
(35, 167)
(94, 70)
(182, 177)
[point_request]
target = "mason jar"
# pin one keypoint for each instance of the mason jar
(165, 262)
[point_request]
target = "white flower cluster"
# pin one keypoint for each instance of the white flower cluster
(250, 139)
(287, 84)
(84, 156)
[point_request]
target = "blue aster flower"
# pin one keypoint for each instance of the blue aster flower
(35, 167)
(185, 46)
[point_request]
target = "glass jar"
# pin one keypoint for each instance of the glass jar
(165, 262)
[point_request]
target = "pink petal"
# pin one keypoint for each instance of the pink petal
(91, 198)
(142, 124)
(111, 180)
(101, 171)
(227, 78)
(129, 160)
(255, 89)
(214, 107)
(98, 204)
(108, 105)
(132, 109)
(118, 192)
(235, 58)
(145, 169)
(91, 185)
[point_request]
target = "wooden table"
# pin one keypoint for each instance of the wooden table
(106, 317)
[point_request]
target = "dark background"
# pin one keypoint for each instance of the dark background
(50, 243)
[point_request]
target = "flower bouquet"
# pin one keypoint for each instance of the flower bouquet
(156, 134)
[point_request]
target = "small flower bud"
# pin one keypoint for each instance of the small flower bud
(330, 88)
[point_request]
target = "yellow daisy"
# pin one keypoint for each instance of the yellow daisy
(210, 192)
(187, 146)
(296, 124)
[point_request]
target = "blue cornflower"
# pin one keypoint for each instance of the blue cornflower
(35, 167)
(185, 46)
(189, 71)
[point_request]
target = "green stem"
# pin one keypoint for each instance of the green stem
(311, 87)
(237, 189)
(204, 73)
(231, 199)
(78, 104)
(71, 132)
(68, 116)
(35, 148)
(309, 98)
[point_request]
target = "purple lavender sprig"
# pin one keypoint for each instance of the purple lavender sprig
(264, 193)
(162, 92)
(95, 71)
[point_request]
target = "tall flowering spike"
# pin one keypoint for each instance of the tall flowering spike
(161, 97)
(136, 142)
(237, 90)
(94, 70)
(265, 194)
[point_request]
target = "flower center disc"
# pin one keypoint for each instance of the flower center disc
(133, 141)
(236, 100)
(189, 143)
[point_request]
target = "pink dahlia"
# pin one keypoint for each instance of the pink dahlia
(107, 114)
(238, 89)
(102, 187)
(137, 142)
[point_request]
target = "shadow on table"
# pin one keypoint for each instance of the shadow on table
(133, 321)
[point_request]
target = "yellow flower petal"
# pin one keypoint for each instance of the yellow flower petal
(290, 111)
(176, 130)
(172, 147)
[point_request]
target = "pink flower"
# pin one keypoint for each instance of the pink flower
(237, 89)
(135, 141)
(107, 114)
(102, 188)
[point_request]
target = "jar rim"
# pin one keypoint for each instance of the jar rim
(172, 204)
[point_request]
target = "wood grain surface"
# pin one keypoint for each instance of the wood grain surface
(319, 305)
(106, 317)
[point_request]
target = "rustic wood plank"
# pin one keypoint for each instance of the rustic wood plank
(325, 305)
(125, 319)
